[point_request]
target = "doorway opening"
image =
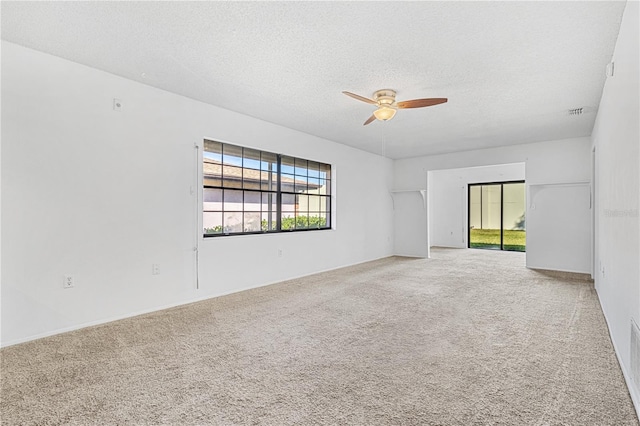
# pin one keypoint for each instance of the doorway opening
(497, 216)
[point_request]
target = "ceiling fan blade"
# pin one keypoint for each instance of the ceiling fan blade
(420, 103)
(370, 119)
(360, 98)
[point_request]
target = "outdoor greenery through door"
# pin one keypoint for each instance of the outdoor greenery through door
(497, 216)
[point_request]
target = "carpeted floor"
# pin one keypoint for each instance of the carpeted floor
(469, 337)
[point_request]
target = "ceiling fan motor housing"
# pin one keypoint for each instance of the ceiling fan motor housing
(385, 97)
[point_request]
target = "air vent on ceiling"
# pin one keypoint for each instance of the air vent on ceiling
(576, 111)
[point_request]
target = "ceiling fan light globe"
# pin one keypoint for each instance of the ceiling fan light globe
(384, 113)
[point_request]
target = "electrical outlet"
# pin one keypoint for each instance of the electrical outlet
(68, 281)
(279, 252)
(117, 105)
(155, 269)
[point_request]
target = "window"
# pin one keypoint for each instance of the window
(247, 191)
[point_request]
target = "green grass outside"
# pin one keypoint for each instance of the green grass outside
(490, 238)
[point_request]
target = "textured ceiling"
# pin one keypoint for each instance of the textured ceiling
(511, 70)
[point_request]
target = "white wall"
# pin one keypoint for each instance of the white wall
(616, 137)
(103, 195)
(448, 201)
(0, 194)
(410, 226)
(561, 161)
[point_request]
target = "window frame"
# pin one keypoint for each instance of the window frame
(326, 198)
(481, 184)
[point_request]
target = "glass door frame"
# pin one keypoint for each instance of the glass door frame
(501, 183)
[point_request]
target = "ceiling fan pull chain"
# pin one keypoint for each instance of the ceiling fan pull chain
(384, 141)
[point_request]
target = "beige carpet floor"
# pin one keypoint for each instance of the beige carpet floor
(469, 337)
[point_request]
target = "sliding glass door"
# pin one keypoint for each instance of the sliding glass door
(496, 216)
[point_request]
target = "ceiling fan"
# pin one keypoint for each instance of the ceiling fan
(385, 100)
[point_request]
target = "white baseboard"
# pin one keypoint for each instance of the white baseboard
(574, 271)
